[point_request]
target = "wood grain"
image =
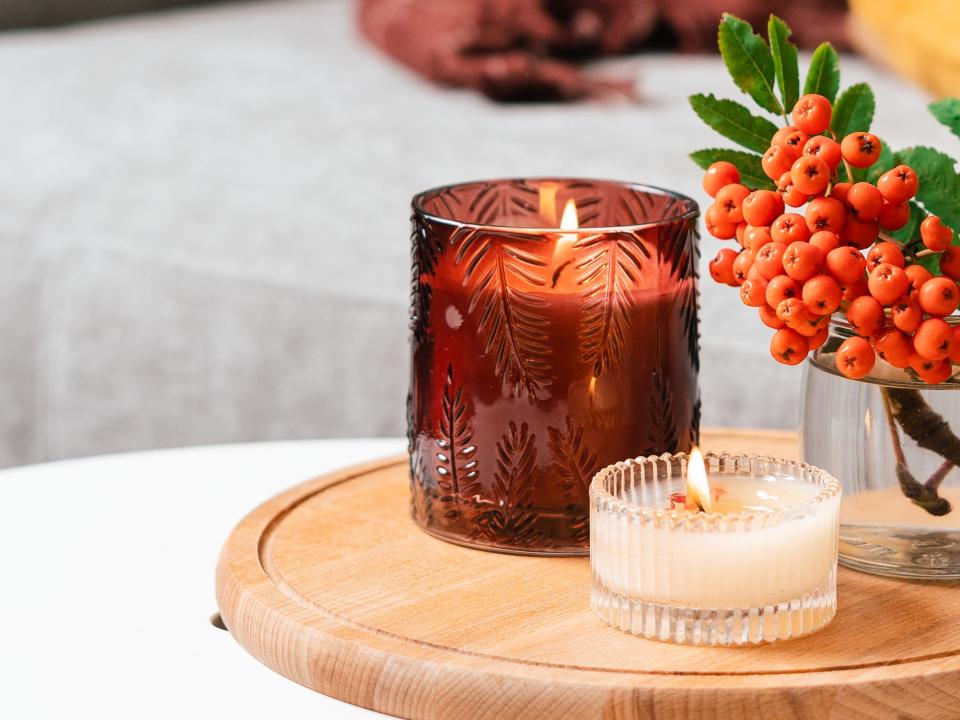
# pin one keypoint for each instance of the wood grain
(332, 585)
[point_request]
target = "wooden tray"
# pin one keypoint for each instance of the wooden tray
(332, 585)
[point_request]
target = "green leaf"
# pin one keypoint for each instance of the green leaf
(749, 61)
(911, 230)
(785, 64)
(939, 183)
(853, 111)
(751, 171)
(823, 77)
(947, 111)
(734, 121)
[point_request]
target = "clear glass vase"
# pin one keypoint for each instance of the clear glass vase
(893, 442)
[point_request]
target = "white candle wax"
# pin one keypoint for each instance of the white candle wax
(721, 568)
(770, 540)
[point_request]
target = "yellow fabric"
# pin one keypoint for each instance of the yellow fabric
(917, 38)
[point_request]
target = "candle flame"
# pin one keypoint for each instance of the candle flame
(698, 487)
(569, 220)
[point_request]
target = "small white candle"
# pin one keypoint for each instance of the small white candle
(748, 555)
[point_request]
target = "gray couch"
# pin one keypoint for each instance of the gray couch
(203, 223)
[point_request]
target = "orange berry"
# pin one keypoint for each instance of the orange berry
(934, 373)
(839, 191)
(917, 275)
(865, 200)
(721, 267)
(846, 264)
(769, 260)
(825, 213)
(859, 233)
(893, 216)
(887, 283)
(821, 294)
(885, 252)
(858, 288)
(788, 228)
(768, 316)
(825, 241)
(936, 236)
(729, 202)
(755, 238)
(860, 149)
(802, 261)
(865, 316)
(793, 197)
(776, 161)
(821, 336)
(789, 347)
(718, 225)
(894, 346)
(810, 175)
(754, 274)
(719, 175)
(793, 143)
(824, 148)
(793, 312)
(950, 262)
(955, 354)
(781, 135)
(753, 292)
(741, 266)
(784, 181)
(781, 288)
(761, 207)
(939, 296)
(741, 229)
(899, 184)
(906, 315)
(934, 339)
(855, 358)
(812, 114)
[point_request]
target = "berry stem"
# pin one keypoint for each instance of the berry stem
(845, 163)
(925, 253)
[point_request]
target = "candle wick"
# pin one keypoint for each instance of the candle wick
(556, 273)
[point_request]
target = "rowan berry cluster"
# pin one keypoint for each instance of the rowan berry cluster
(835, 253)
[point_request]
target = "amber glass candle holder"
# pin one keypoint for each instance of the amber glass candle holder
(554, 332)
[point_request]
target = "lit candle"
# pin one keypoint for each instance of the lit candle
(746, 552)
(554, 332)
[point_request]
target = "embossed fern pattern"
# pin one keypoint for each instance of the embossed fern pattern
(511, 321)
(682, 256)
(425, 249)
(495, 202)
(457, 468)
(509, 516)
(664, 435)
(574, 466)
(610, 265)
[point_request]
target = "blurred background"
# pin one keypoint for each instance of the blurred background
(204, 207)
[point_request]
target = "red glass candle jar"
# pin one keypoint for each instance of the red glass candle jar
(554, 328)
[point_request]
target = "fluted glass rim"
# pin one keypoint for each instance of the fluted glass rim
(692, 212)
(603, 500)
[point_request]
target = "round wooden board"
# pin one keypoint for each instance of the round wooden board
(332, 585)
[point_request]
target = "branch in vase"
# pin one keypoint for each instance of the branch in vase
(931, 432)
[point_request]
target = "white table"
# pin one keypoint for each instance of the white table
(107, 583)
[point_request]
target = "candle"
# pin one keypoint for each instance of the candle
(554, 332)
(746, 552)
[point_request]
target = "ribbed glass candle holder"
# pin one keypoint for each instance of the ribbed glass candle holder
(762, 572)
